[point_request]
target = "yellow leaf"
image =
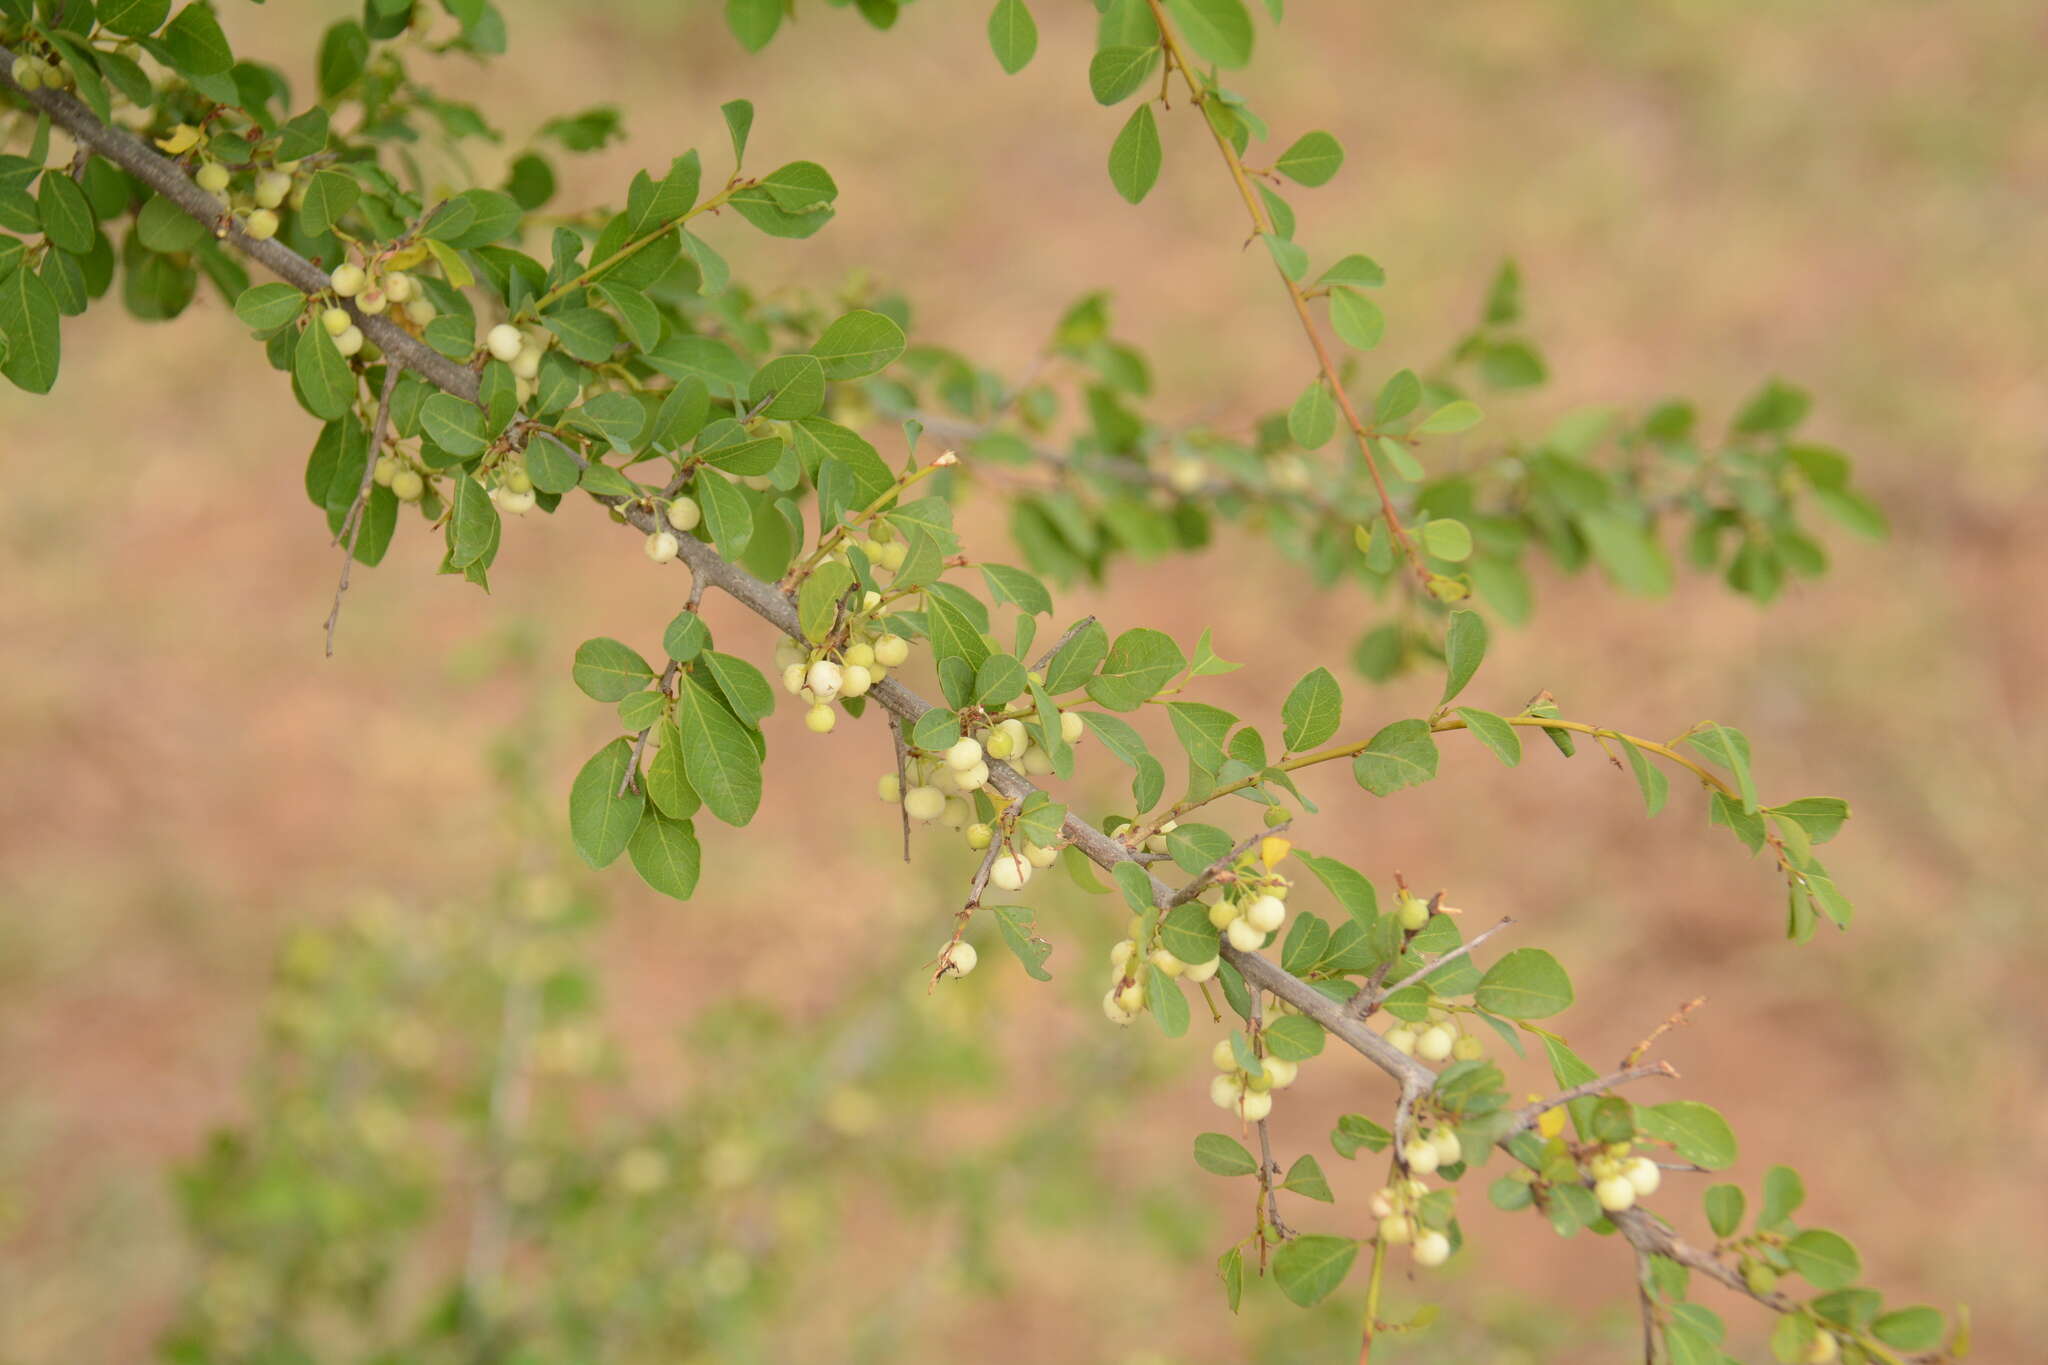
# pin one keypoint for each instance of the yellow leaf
(1272, 849)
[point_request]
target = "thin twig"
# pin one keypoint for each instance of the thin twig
(630, 778)
(1677, 1017)
(1365, 1002)
(902, 772)
(1268, 1168)
(352, 523)
(1526, 1116)
(1647, 1305)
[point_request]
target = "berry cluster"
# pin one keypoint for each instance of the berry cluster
(263, 191)
(1437, 1038)
(1255, 905)
(1398, 1206)
(1126, 998)
(822, 676)
(1620, 1179)
(1247, 1092)
(375, 285)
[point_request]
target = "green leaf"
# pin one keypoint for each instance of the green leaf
(1724, 1208)
(322, 379)
(718, 757)
(585, 333)
(1445, 538)
(67, 217)
(1293, 1037)
(1187, 934)
(1230, 1267)
(473, 529)
(753, 22)
(1006, 584)
(133, 18)
(1292, 260)
(1826, 1259)
(1360, 271)
(1219, 31)
(1464, 648)
(1495, 733)
(1020, 932)
(1820, 816)
(668, 785)
(1357, 319)
(1354, 1131)
(1138, 664)
(1400, 755)
(1134, 158)
(1451, 417)
(452, 423)
(1114, 72)
(601, 821)
(686, 637)
(194, 44)
(1527, 983)
(329, 197)
(666, 855)
(267, 307)
(745, 690)
(1349, 886)
(1200, 728)
(1222, 1155)
(1910, 1329)
(164, 227)
(817, 603)
(1169, 1007)
(1312, 160)
(1728, 747)
(1305, 1178)
(607, 670)
(1698, 1132)
(1649, 777)
(29, 325)
(1195, 846)
(1784, 1192)
(1312, 421)
(1013, 34)
(860, 343)
(1312, 712)
(1312, 1265)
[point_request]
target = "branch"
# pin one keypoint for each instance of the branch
(1525, 1117)
(352, 524)
(1367, 1001)
(1209, 874)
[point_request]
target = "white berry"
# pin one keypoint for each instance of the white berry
(349, 341)
(1266, 913)
(1010, 871)
(408, 486)
(1435, 1044)
(662, 547)
(1615, 1193)
(925, 803)
(1419, 1156)
(1244, 937)
(891, 651)
(1432, 1248)
(889, 787)
(1071, 727)
(854, 681)
(958, 959)
(1255, 1106)
(820, 719)
(505, 342)
(1644, 1175)
(1396, 1228)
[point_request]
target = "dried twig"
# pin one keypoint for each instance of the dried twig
(352, 523)
(1366, 1001)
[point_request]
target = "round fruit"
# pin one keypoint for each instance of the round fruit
(889, 787)
(1010, 871)
(820, 719)
(1072, 727)
(505, 342)
(1281, 1070)
(1222, 913)
(373, 300)
(684, 513)
(261, 224)
(958, 959)
(1132, 996)
(1419, 1156)
(1823, 1350)
(1644, 1174)
(825, 679)
(854, 681)
(1266, 913)
(1468, 1048)
(513, 501)
(1040, 856)
(1401, 1039)
(1201, 971)
(271, 188)
(1120, 955)
(924, 803)
(1223, 1055)
(399, 286)
(1275, 816)
(526, 364)
(385, 470)
(963, 755)
(1037, 761)
(1448, 1148)
(1396, 1229)
(1167, 962)
(1114, 1011)
(1615, 1193)
(407, 485)
(1414, 913)
(793, 679)
(891, 651)
(1432, 1248)
(348, 280)
(980, 836)
(1226, 1091)
(1435, 1044)
(1255, 1106)
(336, 321)
(662, 547)
(1244, 937)
(350, 341)
(973, 780)
(859, 654)
(212, 177)
(421, 311)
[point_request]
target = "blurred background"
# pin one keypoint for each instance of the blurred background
(223, 858)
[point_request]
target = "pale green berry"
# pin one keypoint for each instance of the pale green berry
(860, 654)
(1244, 937)
(348, 280)
(999, 744)
(956, 815)
(518, 480)
(788, 651)
(684, 513)
(505, 342)
(1255, 1106)
(526, 364)
(386, 470)
(1037, 761)
(1824, 1349)
(662, 547)
(1281, 1071)
(1414, 913)
(212, 177)
(1225, 1091)
(1448, 1148)
(1435, 1043)
(973, 780)
(1072, 727)
(1275, 816)
(336, 321)
(1132, 996)
(1615, 1193)
(854, 681)
(1167, 962)
(27, 73)
(1382, 1202)
(1432, 1248)
(1402, 1039)
(1198, 972)
(958, 959)
(964, 754)
(1010, 871)
(793, 679)
(1397, 1229)
(1223, 1055)
(512, 501)
(1468, 1048)
(1760, 1278)
(820, 719)
(980, 836)
(1419, 1156)
(1266, 913)
(271, 188)
(1222, 914)
(928, 803)
(889, 787)
(261, 224)
(891, 651)
(350, 341)
(1604, 1168)
(399, 286)
(1041, 857)
(1020, 738)
(1644, 1174)
(1113, 1009)
(373, 300)
(1120, 955)
(420, 311)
